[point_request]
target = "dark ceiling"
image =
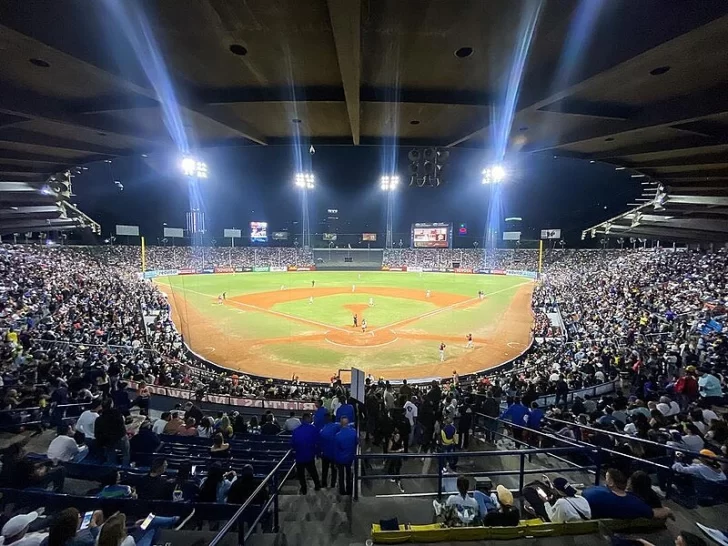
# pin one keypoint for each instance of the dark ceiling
(639, 84)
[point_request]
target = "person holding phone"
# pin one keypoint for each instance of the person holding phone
(561, 503)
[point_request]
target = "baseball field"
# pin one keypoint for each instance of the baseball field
(279, 324)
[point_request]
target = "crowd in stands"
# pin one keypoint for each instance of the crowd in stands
(463, 258)
(73, 331)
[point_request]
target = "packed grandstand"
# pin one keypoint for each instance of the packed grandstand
(627, 344)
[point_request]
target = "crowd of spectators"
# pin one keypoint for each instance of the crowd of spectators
(463, 258)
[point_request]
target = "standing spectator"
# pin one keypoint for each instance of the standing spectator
(144, 444)
(346, 442)
(327, 442)
(191, 410)
(111, 434)
(491, 408)
(85, 422)
(142, 399)
(346, 409)
(394, 464)
(304, 441)
(319, 415)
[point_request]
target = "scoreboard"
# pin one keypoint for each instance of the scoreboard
(431, 235)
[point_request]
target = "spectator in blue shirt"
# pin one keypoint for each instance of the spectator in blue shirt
(613, 501)
(345, 410)
(319, 415)
(345, 441)
(535, 417)
(304, 441)
(327, 442)
(516, 413)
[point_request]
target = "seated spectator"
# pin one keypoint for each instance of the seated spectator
(189, 429)
(186, 487)
(143, 444)
(507, 515)
(68, 447)
(239, 424)
(270, 427)
(16, 531)
(557, 501)
(220, 449)
(154, 485)
(690, 440)
(466, 507)
(244, 486)
(64, 529)
(206, 430)
(86, 420)
(487, 500)
(216, 485)
(27, 473)
(640, 485)
(292, 423)
(174, 425)
(111, 488)
(613, 501)
(706, 467)
(113, 532)
(667, 407)
(161, 423)
(224, 427)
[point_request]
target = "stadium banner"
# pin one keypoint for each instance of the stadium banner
(280, 235)
(167, 272)
(463, 270)
(258, 232)
(277, 269)
(150, 274)
(262, 269)
(367, 237)
(207, 270)
(232, 233)
(431, 235)
(174, 232)
(550, 234)
(224, 270)
(305, 268)
(131, 231)
(186, 271)
(388, 268)
(521, 273)
(497, 272)
(415, 269)
(225, 400)
(292, 268)
(511, 235)
(483, 271)
(426, 269)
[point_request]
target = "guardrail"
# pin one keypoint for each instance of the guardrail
(275, 488)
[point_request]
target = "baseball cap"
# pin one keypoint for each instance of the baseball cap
(504, 495)
(15, 525)
(708, 453)
(562, 485)
(690, 369)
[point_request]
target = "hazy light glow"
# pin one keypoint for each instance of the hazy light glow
(494, 174)
(305, 180)
(389, 183)
(192, 167)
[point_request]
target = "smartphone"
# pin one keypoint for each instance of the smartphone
(194, 469)
(147, 521)
(86, 521)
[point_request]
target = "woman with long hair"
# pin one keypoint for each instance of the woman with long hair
(113, 532)
(216, 486)
(219, 449)
(205, 430)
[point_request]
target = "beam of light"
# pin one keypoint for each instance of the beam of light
(131, 19)
(503, 116)
(389, 154)
(494, 174)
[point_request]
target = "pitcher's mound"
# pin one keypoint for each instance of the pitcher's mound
(356, 338)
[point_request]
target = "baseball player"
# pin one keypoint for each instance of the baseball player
(310, 300)
(371, 302)
(219, 299)
(470, 341)
(427, 294)
(364, 326)
(356, 320)
(442, 352)
(353, 288)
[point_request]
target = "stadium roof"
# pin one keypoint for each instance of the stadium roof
(637, 84)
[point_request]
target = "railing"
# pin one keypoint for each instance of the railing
(275, 487)
(38, 415)
(522, 471)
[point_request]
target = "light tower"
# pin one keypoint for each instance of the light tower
(306, 182)
(493, 177)
(389, 184)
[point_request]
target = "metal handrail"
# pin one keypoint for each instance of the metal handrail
(232, 521)
(49, 406)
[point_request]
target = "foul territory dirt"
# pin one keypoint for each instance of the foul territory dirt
(508, 339)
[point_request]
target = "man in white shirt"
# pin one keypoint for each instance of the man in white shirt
(465, 505)
(15, 531)
(69, 447)
(667, 407)
(565, 505)
(85, 423)
(292, 423)
(411, 412)
(159, 424)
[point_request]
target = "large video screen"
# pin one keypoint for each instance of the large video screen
(280, 235)
(368, 236)
(258, 232)
(437, 235)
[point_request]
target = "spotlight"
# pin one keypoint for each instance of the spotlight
(495, 174)
(389, 183)
(305, 180)
(192, 167)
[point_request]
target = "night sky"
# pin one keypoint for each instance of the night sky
(256, 183)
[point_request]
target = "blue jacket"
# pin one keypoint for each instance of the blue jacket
(346, 442)
(304, 441)
(345, 410)
(319, 417)
(516, 413)
(535, 417)
(327, 440)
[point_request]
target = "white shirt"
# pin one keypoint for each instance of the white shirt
(158, 426)
(708, 416)
(411, 412)
(31, 539)
(291, 424)
(459, 502)
(565, 509)
(86, 422)
(63, 448)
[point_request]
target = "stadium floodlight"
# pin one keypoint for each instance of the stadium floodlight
(305, 180)
(494, 174)
(389, 183)
(193, 167)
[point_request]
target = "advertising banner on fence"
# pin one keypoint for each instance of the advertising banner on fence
(243, 269)
(307, 268)
(186, 271)
(208, 270)
(166, 272)
(224, 270)
(427, 269)
(263, 269)
(150, 274)
(183, 394)
(277, 269)
(521, 273)
(292, 268)
(415, 269)
(463, 270)
(387, 268)
(483, 271)
(497, 272)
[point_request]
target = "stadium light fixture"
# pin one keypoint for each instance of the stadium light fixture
(494, 174)
(389, 183)
(193, 167)
(305, 180)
